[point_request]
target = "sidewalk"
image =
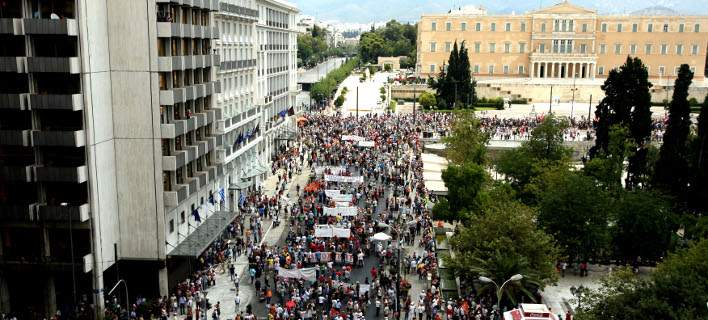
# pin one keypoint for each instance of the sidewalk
(224, 291)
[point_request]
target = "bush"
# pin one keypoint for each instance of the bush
(382, 90)
(339, 102)
(326, 87)
(520, 101)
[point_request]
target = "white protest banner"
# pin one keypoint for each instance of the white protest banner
(341, 232)
(342, 204)
(363, 289)
(328, 231)
(352, 138)
(333, 169)
(348, 179)
(304, 273)
(366, 144)
(341, 211)
(332, 192)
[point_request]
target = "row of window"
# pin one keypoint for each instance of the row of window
(568, 46)
(521, 70)
(566, 25)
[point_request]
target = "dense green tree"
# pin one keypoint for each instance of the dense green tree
(464, 183)
(576, 211)
(699, 162)
(676, 290)
(671, 170)
(627, 103)
(371, 46)
(502, 241)
(325, 88)
(454, 84)
(543, 150)
(467, 142)
(394, 39)
(427, 100)
(643, 226)
(608, 165)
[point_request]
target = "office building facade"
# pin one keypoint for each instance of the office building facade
(118, 153)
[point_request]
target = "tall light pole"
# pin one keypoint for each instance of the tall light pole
(515, 277)
(572, 101)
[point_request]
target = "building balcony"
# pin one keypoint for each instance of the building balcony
(14, 101)
(174, 198)
(172, 163)
(193, 184)
(192, 152)
(203, 177)
(202, 147)
(75, 138)
(54, 64)
(17, 212)
(78, 174)
(76, 213)
(211, 144)
(73, 102)
(211, 115)
(67, 27)
(220, 156)
(201, 119)
(180, 30)
(212, 173)
(563, 57)
(13, 64)
(15, 138)
(16, 174)
(11, 26)
(172, 96)
(174, 129)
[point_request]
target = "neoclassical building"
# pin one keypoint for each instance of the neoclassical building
(563, 41)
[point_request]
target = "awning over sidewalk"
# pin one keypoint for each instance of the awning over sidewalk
(200, 239)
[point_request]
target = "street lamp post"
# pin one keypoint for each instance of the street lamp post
(572, 101)
(515, 277)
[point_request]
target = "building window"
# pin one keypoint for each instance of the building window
(522, 47)
(448, 26)
(603, 48)
(493, 27)
(181, 217)
(679, 49)
(434, 26)
(661, 70)
(664, 49)
(693, 69)
(694, 50)
(647, 49)
(666, 27)
(478, 26)
(556, 25)
(477, 47)
(463, 26)
(601, 70)
(492, 47)
(507, 27)
(676, 70)
(476, 69)
(604, 27)
(583, 48)
(542, 48)
(635, 27)
(633, 49)
(432, 47)
(555, 46)
(571, 26)
(172, 225)
(585, 27)
(618, 48)
(491, 69)
(681, 26)
(521, 69)
(619, 27)
(650, 28)
(697, 28)
(507, 47)
(522, 27)
(543, 27)
(432, 68)
(448, 46)
(506, 69)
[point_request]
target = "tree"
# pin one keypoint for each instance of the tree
(627, 103)
(427, 100)
(671, 170)
(371, 46)
(393, 40)
(608, 165)
(464, 182)
(467, 142)
(675, 290)
(500, 242)
(454, 84)
(543, 150)
(575, 211)
(699, 162)
(339, 102)
(643, 226)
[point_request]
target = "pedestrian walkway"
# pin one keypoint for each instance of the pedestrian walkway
(224, 291)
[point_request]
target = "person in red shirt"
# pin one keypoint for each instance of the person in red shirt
(373, 273)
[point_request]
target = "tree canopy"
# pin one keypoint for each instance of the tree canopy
(467, 142)
(454, 85)
(392, 40)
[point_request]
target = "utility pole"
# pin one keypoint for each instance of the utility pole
(357, 102)
(550, 105)
(589, 108)
(572, 101)
(414, 99)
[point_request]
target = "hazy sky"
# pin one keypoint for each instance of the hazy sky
(367, 11)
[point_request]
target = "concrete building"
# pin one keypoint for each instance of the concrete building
(119, 152)
(563, 41)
